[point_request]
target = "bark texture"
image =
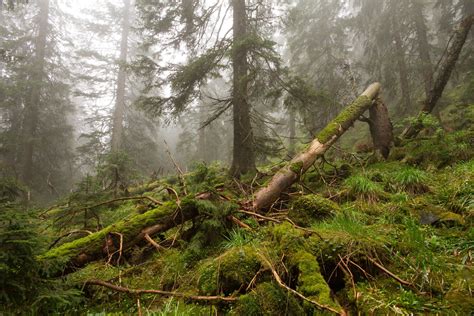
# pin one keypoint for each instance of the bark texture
(381, 128)
(289, 174)
(243, 159)
(119, 110)
(33, 106)
(445, 69)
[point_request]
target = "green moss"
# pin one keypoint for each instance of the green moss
(268, 299)
(296, 167)
(311, 207)
(229, 272)
(128, 227)
(344, 119)
(285, 237)
(310, 281)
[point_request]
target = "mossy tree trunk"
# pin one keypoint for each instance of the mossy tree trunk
(290, 173)
(444, 72)
(381, 128)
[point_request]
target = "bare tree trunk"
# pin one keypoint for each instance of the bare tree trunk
(31, 117)
(292, 123)
(119, 110)
(402, 67)
(243, 151)
(289, 174)
(444, 72)
(423, 45)
(381, 128)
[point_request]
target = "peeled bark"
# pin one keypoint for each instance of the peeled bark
(243, 149)
(119, 110)
(289, 174)
(381, 128)
(444, 73)
(132, 231)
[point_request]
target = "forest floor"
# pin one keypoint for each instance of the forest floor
(355, 235)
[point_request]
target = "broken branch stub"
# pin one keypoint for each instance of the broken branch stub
(292, 171)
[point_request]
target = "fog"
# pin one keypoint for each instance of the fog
(131, 89)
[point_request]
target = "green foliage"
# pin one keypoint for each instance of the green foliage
(410, 180)
(359, 186)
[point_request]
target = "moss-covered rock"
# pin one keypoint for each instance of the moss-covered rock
(311, 207)
(231, 271)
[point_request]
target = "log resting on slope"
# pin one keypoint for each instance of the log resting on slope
(292, 171)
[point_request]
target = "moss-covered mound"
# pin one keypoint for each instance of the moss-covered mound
(308, 208)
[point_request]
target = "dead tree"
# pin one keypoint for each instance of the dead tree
(292, 171)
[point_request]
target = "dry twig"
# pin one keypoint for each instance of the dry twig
(216, 299)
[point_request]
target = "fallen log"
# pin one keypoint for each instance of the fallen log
(132, 230)
(292, 171)
(444, 73)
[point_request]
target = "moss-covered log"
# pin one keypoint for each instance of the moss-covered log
(130, 231)
(291, 172)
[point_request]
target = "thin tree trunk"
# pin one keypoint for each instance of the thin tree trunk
(117, 127)
(292, 123)
(402, 67)
(31, 117)
(423, 45)
(243, 147)
(381, 128)
(444, 72)
(289, 174)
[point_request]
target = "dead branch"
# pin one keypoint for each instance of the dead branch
(390, 274)
(178, 169)
(211, 299)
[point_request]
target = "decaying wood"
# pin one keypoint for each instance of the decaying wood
(381, 128)
(208, 299)
(289, 174)
(445, 69)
